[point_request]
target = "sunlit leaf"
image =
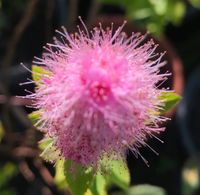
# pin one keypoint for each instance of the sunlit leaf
(34, 116)
(140, 14)
(117, 172)
(39, 73)
(153, 15)
(177, 12)
(49, 151)
(79, 178)
(159, 6)
(59, 177)
(99, 185)
(144, 189)
(170, 100)
(88, 192)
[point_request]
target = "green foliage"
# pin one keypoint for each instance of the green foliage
(99, 185)
(59, 177)
(170, 100)
(78, 178)
(49, 151)
(116, 172)
(152, 14)
(46, 145)
(34, 116)
(8, 171)
(143, 189)
(38, 73)
(195, 3)
(7, 191)
(82, 180)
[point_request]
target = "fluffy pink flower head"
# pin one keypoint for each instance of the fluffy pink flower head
(100, 97)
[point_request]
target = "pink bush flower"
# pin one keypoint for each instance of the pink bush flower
(100, 97)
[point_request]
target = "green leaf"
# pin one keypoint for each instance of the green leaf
(34, 116)
(82, 180)
(99, 185)
(59, 177)
(179, 12)
(145, 189)
(7, 171)
(153, 14)
(176, 11)
(79, 178)
(170, 100)
(50, 152)
(116, 172)
(113, 172)
(195, 3)
(159, 6)
(39, 73)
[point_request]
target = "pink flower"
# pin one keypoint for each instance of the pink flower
(100, 97)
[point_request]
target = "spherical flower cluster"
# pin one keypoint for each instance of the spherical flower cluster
(100, 96)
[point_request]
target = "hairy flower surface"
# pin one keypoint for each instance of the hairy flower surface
(100, 96)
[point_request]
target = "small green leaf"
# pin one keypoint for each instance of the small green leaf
(99, 185)
(116, 172)
(45, 143)
(34, 116)
(50, 152)
(170, 100)
(38, 73)
(145, 189)
(79, 178)
(59, 177)
(159, 6)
